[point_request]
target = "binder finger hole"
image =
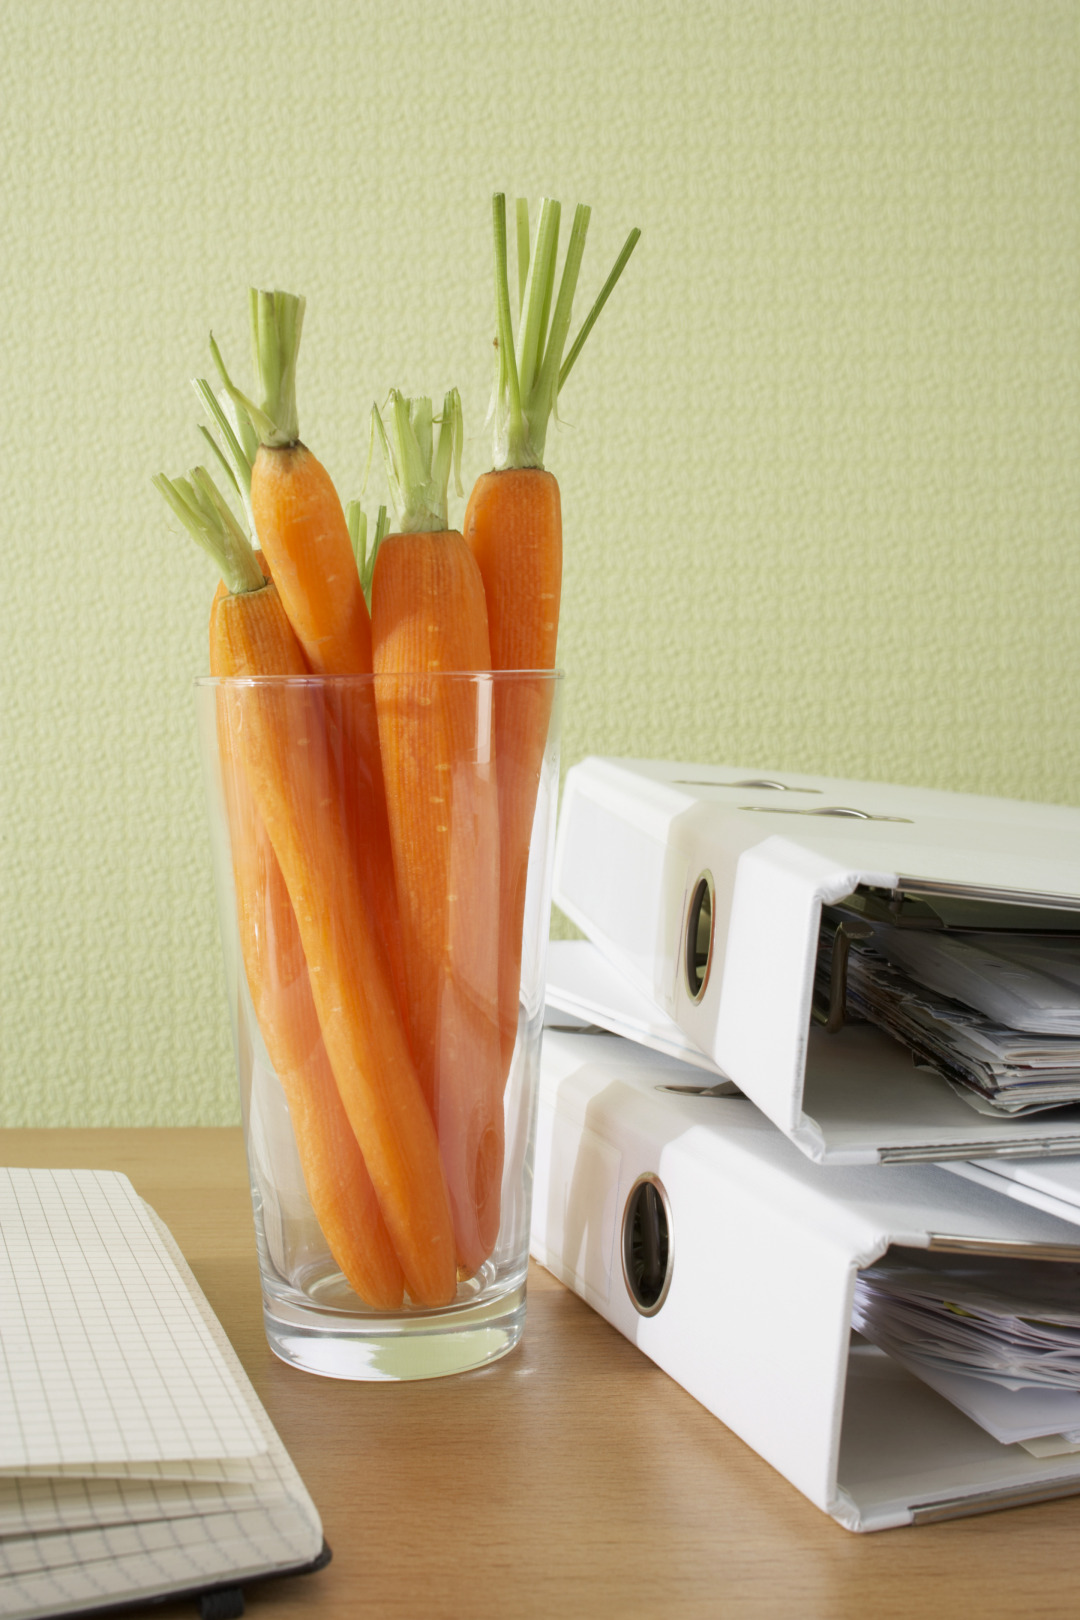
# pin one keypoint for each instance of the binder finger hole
(646, 1245)
(699, 937)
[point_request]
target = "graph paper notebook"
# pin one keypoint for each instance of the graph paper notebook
(136, 1461)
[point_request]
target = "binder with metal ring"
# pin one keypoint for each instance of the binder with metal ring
(638, 838)
(753, 1309)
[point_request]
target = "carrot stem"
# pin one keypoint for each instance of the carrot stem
(536, 304)
(547, 383)
(277, 319)
(204, 512)
(222, 458)
(276, 322)
(530, 375)
(356, 522)
(510, 432)
(417, 466)
(238, 445)
(522, 215)
(601, 299)
(365, 554)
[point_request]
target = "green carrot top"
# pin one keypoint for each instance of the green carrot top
(204, 512)
(418, 463)
(530, 373)
(364, 550)
(276, 322)
(238, 444)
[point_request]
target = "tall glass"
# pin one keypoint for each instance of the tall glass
(382, 852)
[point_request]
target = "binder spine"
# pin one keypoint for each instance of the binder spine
(610, 859)
(755, 1312)
(765, 998)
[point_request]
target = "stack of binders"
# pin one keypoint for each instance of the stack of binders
(809, 1121)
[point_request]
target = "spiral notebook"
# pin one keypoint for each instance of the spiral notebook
(136, 1461)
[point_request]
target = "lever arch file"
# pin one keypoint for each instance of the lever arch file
(583, 985)
(704, 1236)
(1050, 1184)
(708, 887)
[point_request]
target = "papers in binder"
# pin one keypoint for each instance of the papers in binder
(999, 1338)
(751, 1304)
(705, 887)
(1021, 982)
(950, 1000)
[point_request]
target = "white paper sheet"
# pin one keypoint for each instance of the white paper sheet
(999, 1339)
(137, 1461)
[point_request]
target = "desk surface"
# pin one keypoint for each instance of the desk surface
(571, 1478)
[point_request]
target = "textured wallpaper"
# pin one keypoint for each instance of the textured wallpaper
(820, 461)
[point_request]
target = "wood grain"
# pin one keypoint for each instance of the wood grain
(572, 1478)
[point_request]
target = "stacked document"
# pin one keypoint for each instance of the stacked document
(999, 1338)
(680, 1213)
(1023, 981)
(705, 887)
(890, 975)
(998, 1016)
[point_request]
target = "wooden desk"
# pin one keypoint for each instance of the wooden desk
(571, 1478)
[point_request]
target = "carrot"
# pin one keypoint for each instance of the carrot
(298, 517)
(351, 986)
(429, 619)
(339, 1187)
(513, 525)
(301, 527)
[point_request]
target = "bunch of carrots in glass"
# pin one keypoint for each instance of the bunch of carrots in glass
(352, 937)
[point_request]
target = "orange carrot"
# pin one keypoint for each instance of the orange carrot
(339, 1187)
(301, 527)
(276, 731)
(429, 620)
(342, 1196)
(513, 525)
(299, 522)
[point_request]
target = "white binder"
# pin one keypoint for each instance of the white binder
(1052, 1185)
(583, 985)
(745, 1278)
(704, 886)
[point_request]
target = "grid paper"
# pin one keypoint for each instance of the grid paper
(103, 1357)
(75, 1543)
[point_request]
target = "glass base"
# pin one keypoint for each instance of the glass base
(393, 1348)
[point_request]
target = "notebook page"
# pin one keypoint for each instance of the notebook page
(103, 1355)
(35, 1507)
(67, 1545)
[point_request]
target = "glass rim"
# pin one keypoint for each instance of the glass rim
(313, 679)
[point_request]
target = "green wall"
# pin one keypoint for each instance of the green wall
(820, 463)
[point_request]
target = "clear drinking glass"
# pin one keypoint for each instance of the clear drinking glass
(382, 851)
